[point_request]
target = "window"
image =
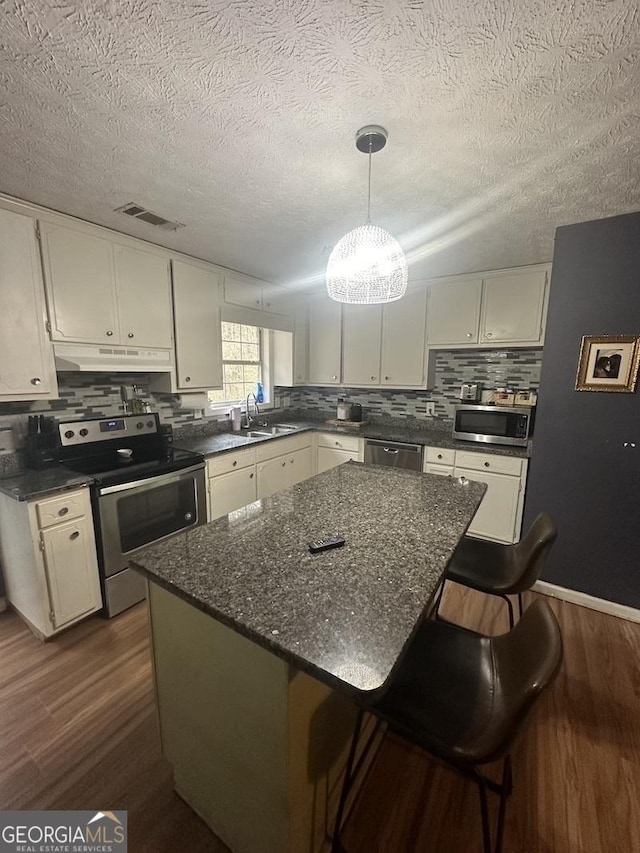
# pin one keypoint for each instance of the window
(242, 363)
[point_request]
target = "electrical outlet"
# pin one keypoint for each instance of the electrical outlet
(431, 410)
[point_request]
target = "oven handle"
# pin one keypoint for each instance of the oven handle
(151, 481)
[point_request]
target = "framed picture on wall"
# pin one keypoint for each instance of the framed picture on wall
(608, 363)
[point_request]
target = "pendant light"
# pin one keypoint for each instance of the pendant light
(367, 265)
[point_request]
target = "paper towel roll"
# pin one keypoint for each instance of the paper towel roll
(193, 401)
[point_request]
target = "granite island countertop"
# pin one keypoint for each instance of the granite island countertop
(345, 615)
(32, 483)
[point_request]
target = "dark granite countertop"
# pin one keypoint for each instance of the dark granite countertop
(393, 431)
(344, 615)
(37, 484)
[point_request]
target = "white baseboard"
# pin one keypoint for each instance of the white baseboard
(623, 611)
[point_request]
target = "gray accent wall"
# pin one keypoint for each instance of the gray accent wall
(585, 469)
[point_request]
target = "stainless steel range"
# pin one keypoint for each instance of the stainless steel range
(144, 491)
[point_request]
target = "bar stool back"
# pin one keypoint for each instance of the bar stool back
(502, 570)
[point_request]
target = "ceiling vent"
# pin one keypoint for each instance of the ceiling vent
(136, 211)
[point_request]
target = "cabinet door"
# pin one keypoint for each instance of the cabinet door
(72, 570)
(278, 300)
(301, 343)
(330, 458)
(513, 307)
(241, 291)
(361, 332)
(272, 476)
(299, 466)
(144, 297)
(26, 358)
(197, 327)
(325, 335)
(232, 491)
(453, 311)
(80, 279)
(498, 513)
(403, 339)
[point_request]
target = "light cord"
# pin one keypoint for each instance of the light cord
(369, 193)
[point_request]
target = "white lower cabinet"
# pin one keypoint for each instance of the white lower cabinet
(283, 463)
(231, 481)
(499, 516)
(49, 560)
(335, 449)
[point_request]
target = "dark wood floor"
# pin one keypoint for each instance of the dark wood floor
(78, 730)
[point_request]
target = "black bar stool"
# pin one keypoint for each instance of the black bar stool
(463, 697)
(502, 570)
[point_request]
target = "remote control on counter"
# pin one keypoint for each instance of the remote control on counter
(325, 544)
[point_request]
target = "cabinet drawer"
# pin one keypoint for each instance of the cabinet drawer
(63, 508)
(227, 462)
(440, 456)
(339, 442)
(440, 470)
(279, 446)
(489, 462)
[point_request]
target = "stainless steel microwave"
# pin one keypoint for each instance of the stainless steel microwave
(512, 425)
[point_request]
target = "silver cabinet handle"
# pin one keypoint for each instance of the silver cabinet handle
(257, 302)
(187, 379)
(469, 335)
(486, 464)
(390, 450)
(292, 461)
(63, 510)
(36, 380)
(234, 463)
(283, 464)
(439, 455)
(373, 377)
(130, 335)
(489, 335)
(75, 534)
(251, 476)
(334, 377)
(386, 378)
(109, 333)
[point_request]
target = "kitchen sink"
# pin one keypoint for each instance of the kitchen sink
(276, 429)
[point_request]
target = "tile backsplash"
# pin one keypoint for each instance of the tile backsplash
(93, 395)
(516, 369)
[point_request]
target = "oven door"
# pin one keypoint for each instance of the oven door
(134, 515)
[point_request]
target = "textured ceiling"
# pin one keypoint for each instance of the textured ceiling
(237, 118)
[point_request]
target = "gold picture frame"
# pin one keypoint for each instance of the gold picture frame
(608, 363)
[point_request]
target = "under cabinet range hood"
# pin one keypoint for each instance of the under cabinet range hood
(79, 357)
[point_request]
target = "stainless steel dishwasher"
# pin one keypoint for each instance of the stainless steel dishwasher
(393, 453)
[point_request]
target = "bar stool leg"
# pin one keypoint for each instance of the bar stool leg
(520, 604)
(336, 846)
(484, 809)
(505, 791)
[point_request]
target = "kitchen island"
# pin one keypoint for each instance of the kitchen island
(260, 647)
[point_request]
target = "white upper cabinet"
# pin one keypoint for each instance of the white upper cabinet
(453, 313)
(27, 369)
(501, 307)
(197, 326)
(102, 291)
(513, 304)
(80, 278)
(301, 342)
(247, 292)
(325, 334)
(361, 335)
(403, 337)
(243, 291)
(144, 297)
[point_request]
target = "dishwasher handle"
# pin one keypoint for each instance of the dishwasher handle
(394, 446)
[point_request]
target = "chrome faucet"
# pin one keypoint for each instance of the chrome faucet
(248, 418)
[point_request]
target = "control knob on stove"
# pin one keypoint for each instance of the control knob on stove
(69, 433)
(139, 425)
(149, 424)
(84, 431)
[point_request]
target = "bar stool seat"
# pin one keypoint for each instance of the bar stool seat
(463, 698)
(502, 570)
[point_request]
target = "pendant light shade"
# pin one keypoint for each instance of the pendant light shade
(367, 265)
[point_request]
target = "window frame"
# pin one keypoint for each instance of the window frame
(265, 338)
